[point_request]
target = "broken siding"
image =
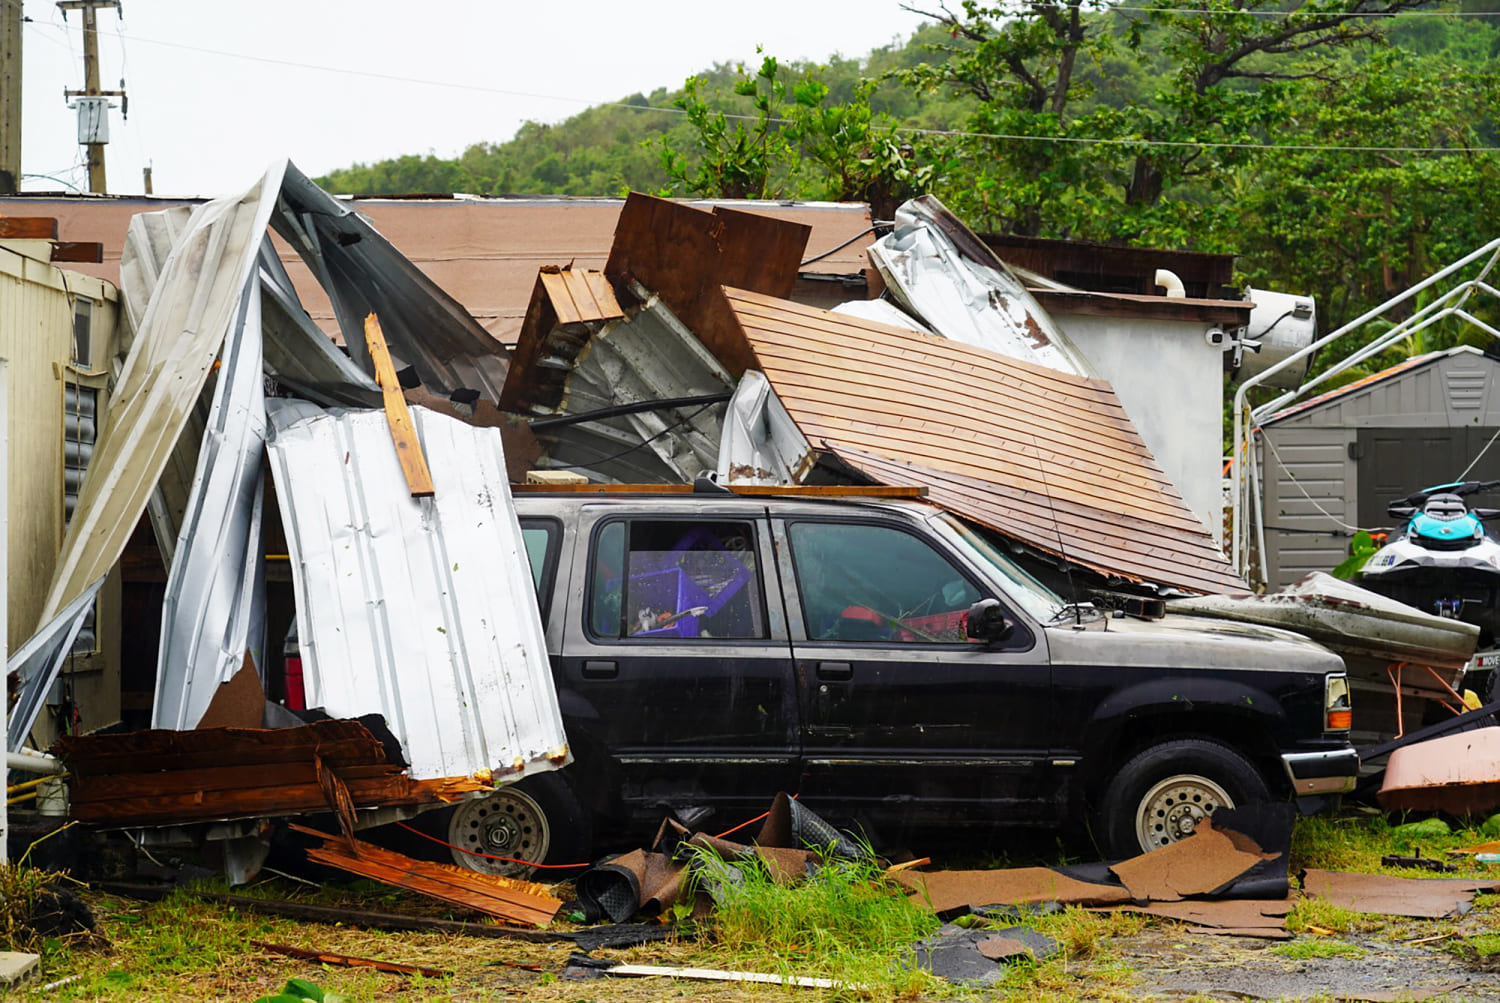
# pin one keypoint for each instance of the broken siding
(1046, 457)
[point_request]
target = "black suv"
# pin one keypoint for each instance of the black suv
(892, 666)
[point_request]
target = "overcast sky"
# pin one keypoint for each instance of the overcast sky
(219, 88)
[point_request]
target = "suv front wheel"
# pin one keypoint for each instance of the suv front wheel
(1163, 793)
(534, 821)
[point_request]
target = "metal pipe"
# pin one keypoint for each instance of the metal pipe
(620, 410)
(34, 764)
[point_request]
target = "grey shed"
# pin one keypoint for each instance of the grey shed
(1333, 463)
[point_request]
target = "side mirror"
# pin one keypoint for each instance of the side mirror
(986, 621)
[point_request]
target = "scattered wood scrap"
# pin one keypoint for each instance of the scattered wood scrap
(403, 432)
(505, 898)
(163, 777)
(349, 961)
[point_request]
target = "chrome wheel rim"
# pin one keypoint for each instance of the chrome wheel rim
(509, 824)
(1174, 809)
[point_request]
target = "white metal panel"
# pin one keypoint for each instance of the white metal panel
(946, 277)
(761, 443)
(421, 610)
(214, 609)
(181, 331)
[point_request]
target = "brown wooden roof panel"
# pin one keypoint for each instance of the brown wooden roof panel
(1046, 457)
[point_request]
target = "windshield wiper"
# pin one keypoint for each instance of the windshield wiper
(1077, 610)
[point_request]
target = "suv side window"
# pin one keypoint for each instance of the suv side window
(541, 538)
(864, 582)
(673, 580)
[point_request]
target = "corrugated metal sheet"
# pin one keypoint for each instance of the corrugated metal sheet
(1046, 457)
(37, 663)
(761, 444)
(214, 610)
(421, 610)
(363, 273)
(647, 356)
(946, 277)
(567, 308)
(179, 336)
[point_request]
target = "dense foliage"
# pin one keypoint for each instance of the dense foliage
(1343, 148)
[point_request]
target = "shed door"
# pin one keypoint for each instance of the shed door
(1394, 462)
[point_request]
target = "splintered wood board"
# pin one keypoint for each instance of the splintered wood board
(403, 432)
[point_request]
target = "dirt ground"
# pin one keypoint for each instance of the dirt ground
(1171, 964)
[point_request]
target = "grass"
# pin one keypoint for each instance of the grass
(1306, 950)
(847, 923)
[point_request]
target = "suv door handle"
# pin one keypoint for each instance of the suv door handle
(835, 671)
(593, 669)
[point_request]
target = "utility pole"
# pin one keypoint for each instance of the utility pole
(92, 103)
(10, 96)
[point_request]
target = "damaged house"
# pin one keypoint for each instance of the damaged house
(349, 497)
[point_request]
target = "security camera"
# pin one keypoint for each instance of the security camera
(1217, 337)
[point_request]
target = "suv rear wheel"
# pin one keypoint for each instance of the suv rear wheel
(534, 821)
(1163, 793)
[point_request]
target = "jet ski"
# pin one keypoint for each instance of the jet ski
(1442, 561)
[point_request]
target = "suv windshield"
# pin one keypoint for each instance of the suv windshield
(1037, 599)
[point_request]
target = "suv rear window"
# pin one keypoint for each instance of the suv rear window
(671, 581)
(862, 582)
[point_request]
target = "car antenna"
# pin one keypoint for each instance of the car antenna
(1041, 469)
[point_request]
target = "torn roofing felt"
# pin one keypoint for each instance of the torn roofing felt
(419, 609)
(1045, 457)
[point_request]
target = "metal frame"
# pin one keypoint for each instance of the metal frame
(1450, 303)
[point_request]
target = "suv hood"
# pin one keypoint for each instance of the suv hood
(1188, 642)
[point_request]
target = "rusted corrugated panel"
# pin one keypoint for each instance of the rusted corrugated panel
(505, 898)
(1046, 457)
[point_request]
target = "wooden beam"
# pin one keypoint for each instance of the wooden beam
(28, 228)
(403, 432)
(786, 490)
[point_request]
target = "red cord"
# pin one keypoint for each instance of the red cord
(487, 856)
(528, 863)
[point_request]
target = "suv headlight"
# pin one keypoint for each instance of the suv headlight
(1338, 713)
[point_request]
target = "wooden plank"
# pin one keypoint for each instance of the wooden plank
(190, 805)
(350, 961)
(403, 432)
(121, 786)
(337, 741)
(83, 252)
(28, 228)
(518, 901)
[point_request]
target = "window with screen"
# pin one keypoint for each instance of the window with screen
(675, 580)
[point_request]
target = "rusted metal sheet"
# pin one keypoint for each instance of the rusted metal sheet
(1046, 457)
(505, 898)
(685, 255)
(349, 960)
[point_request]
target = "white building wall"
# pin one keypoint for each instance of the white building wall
(1170, 381)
